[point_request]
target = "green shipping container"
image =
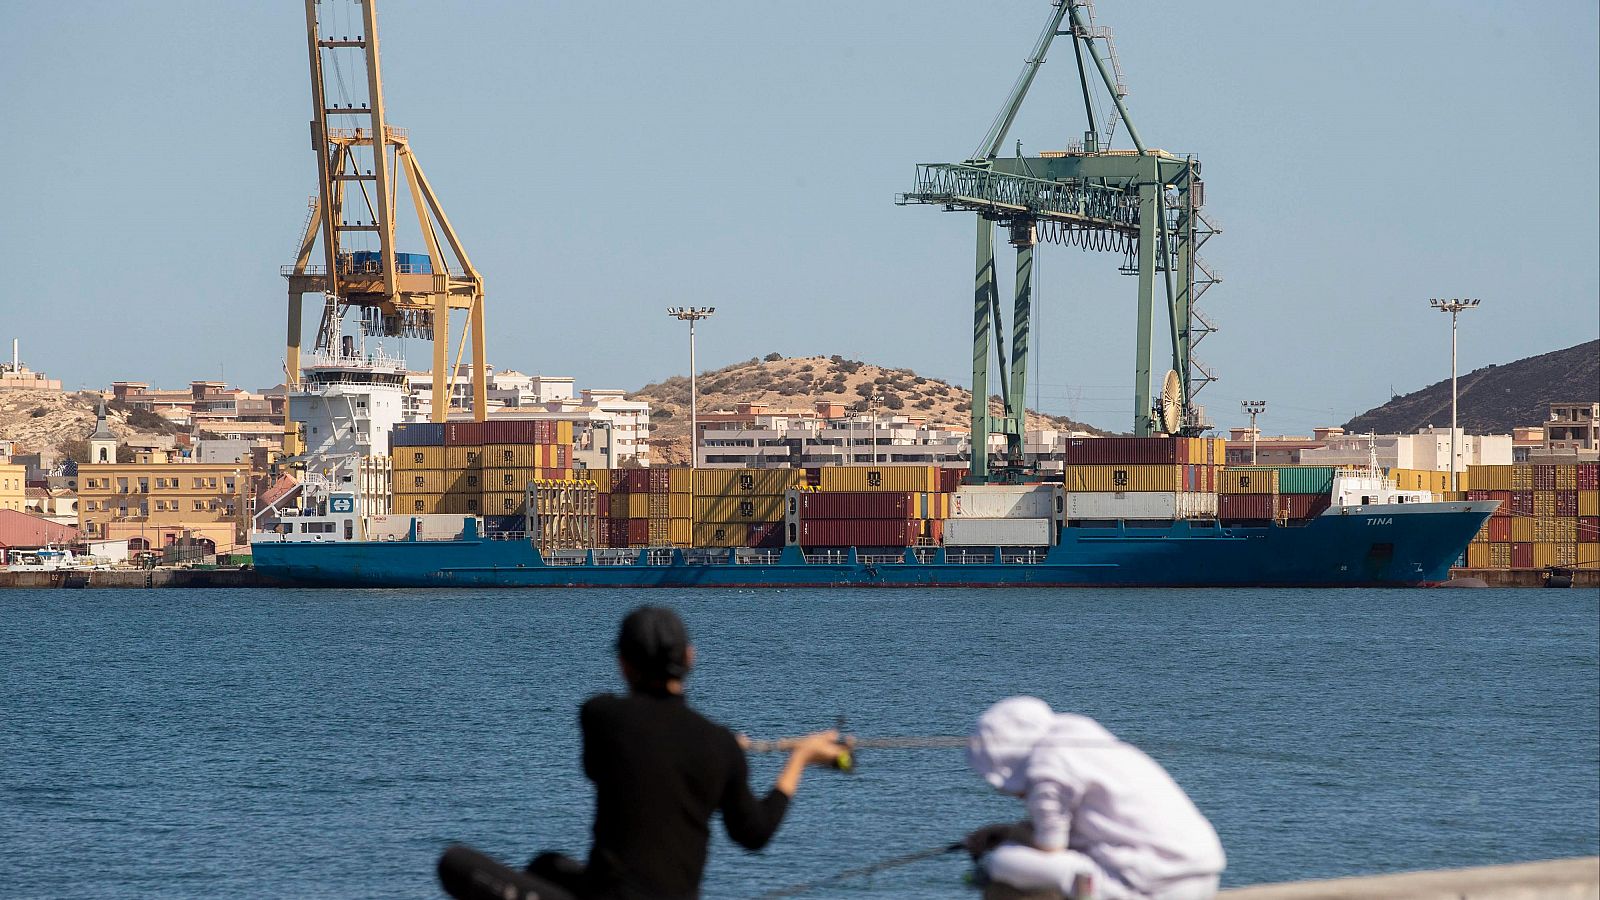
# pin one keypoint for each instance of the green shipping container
(1299, 479)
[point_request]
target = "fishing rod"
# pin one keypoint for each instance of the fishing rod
(862, 871)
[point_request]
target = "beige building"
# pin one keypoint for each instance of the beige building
(157, 502)
(13, 485)
(1572, 428)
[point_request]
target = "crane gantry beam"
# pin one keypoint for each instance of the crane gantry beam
(1143, 202)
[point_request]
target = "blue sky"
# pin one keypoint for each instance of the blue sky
(604, 161)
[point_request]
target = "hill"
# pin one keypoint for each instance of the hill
(1494, 399)
(59, 421)
(798, 383)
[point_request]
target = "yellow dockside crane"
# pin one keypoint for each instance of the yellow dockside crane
(397, 294)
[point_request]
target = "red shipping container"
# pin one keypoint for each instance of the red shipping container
(1544, 478)
(1521, 503)
(1127, 451)
(1588, 476)
(1302, 506)
(766, 535)
(1500, 529)
(935, 530)
(637, 481)
(1479, 495)
(858, 505)
(602, 505)
(950, 479)
(1504, 509)
(638, 531)
(859, 532)
(1589, 529)
(602, 530)
(1521, 556)
(1245, 506)
(1566, 503)
(564, 456)
(463, 434)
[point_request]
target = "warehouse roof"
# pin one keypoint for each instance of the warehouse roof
(22, 531)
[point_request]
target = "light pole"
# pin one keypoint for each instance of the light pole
(692, 314)
(872, 407)
(1454, 307)
(1253, 408)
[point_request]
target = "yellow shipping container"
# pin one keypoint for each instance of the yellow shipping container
(464, 481)
(1522, 477)
(1559, 530)
(507, 479)
(463, 457)
(427, 504)
(1124, 478)
(1588, 556)
(1566, 478)
(880, 478)
(502, 503)
(564, 432)
(721, 534)
(416, 458)
(461, 503)
(727, 482)
(671, 533)
(1589, 503)
(1482, 537)
(1500, 556)
(1421, 480)
(1544, 504)
(653, 506)
(1548, 553)
(509, 456)
(419, 481)
(753, 508)
(1521, 530)
(1478, 556)
(1248, 481)
(1490, 478)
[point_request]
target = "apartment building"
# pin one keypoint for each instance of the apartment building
(1573, 428)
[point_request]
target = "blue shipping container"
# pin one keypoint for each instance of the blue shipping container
(417, 434)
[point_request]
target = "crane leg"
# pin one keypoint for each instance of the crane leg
(1143, 423)
(291, 372)
(984, 289)
(441, 356)
(1022, 237)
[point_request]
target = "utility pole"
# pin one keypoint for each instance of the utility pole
(692, 314)
(1454, 307)
(1253, 408)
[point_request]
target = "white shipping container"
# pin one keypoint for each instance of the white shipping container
(1140, 505)
(998, 532)
(1006, 501)
(430, 527)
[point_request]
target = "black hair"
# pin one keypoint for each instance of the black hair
(655, 644)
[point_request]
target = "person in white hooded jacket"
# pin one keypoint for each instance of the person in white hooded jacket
(1103, 818)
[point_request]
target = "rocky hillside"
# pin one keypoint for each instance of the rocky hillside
(1494, 399)
(799, 382)
(58, 421)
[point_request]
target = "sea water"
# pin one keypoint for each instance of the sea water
(287, 743)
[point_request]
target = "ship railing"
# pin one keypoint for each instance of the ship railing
(756, 558)
(828, 558)
(507, 535)
(926, 555)
(1022, 558)
(881, 559)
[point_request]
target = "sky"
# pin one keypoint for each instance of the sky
(603, 161)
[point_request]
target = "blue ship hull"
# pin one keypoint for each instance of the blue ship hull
(1390, 546)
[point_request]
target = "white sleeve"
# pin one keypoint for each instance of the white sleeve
(1028, 869)
(1049, 809)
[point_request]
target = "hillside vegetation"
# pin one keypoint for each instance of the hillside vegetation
(799, 382)
(1494, 399)
(59, 421)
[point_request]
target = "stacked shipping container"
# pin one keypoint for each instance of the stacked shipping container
(480, 468)
(741, 507)
(648, 507)
(1549, 515)
(1142, 478)
(869, 506)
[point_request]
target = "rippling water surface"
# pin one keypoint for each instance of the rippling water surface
(329, 744)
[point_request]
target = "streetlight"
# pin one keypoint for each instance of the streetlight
(692, 314)
(1253, 408)
(871, 402)
(1454, 307)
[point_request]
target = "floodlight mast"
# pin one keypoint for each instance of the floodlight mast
(692, 314)
(1454, 307)
(1253, 408)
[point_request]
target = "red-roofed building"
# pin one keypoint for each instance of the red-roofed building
(21, 531)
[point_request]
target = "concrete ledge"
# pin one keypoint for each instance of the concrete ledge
(1556, 879)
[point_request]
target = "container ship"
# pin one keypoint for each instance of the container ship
(496, 504)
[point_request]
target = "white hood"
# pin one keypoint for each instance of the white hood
(1006, 736)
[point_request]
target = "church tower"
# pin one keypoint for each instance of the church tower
(102, 443)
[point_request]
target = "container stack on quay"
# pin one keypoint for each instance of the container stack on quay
(476, 468)
(1549, 515)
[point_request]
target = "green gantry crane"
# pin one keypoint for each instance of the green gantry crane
(1144, 203)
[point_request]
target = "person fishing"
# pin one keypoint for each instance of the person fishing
(660, 771)
(1105, 821)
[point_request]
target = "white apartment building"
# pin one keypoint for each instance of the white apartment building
(808, 441)
(1427, 450)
